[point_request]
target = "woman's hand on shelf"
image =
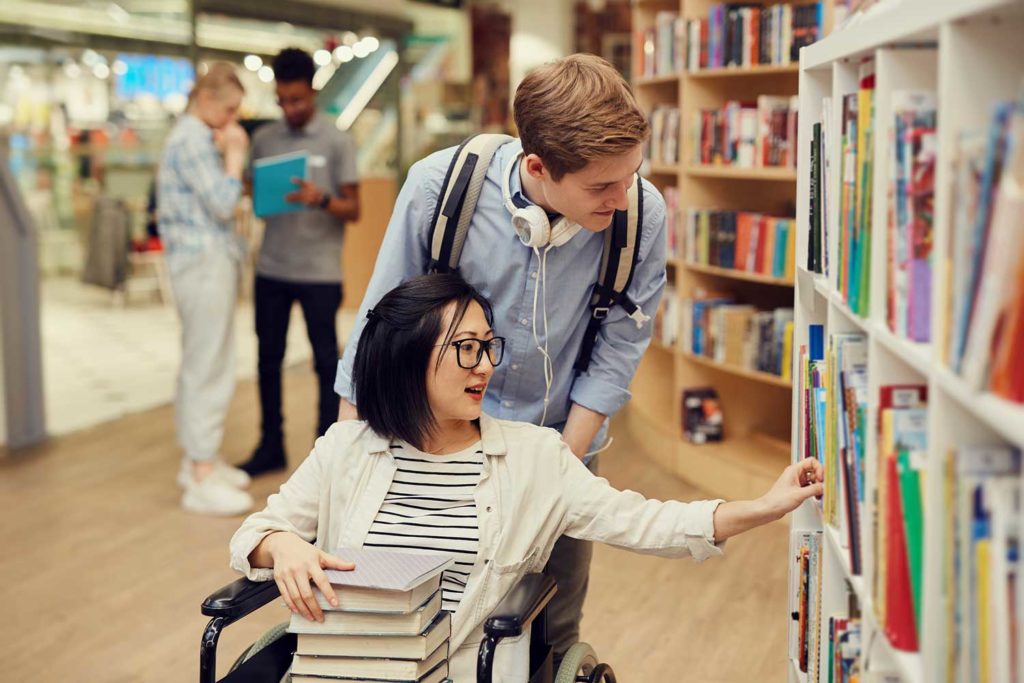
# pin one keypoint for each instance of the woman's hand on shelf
(797, 483)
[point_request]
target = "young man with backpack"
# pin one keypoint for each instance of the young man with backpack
(560, 233)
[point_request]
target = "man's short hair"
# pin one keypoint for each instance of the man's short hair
(576, 110)
(293, 64)
(389, 373)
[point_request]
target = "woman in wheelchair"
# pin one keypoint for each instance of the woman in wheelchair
(426, 468)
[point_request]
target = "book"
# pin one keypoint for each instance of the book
(966, 282)
(387, 570)
(742, 35)
(438, 675)
(369, 667)
(272, 180)
(913, 148)
(814, 243)
(362, 599)
(397, 647)
(702, 415)
(999, 265)
(370, 623)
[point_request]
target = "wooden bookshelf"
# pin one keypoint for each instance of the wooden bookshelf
(785, 175)
(735, 274)
(969, 53)
(740, 72)
(738, 371)
(658, 80)
(664, 169)
(752, 401)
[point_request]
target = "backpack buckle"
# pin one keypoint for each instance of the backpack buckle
(600, 312)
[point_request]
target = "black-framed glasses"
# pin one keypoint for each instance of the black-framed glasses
(469, 352)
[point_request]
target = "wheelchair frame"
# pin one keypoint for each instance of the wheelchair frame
(521, 609)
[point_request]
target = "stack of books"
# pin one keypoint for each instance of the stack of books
(713, 325)
(743, 35)
(759, 134)
(660, 50)
(388, 625)
(664, 140)
(741, 240)
(984, 321)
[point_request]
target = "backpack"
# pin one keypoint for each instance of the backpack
(454, 211)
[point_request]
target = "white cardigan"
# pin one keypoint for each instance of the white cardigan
(532, 490)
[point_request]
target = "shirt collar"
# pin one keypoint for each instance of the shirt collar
(311, 128)
(492, 438)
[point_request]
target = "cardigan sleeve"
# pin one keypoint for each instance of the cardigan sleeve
(295, 507)
(596, 511)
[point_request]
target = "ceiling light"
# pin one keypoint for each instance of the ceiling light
(343, 53)
(252, 62)
(266, 74)
(322, 57)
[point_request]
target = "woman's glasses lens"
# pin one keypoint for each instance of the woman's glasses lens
(471, 351)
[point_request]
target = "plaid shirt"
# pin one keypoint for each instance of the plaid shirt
(195, 198)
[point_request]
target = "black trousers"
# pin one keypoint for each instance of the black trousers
(320, 303)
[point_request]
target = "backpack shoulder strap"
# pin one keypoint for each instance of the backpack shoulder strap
(618, 262)
(457, 199)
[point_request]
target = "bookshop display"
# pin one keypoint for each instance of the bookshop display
(908, 377)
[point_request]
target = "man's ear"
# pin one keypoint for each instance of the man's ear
(535, 166)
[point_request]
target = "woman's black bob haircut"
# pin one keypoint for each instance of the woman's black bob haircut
(393, 356)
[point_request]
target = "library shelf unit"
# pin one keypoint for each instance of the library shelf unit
(735, 274)
(755, 404)
(969, 53)
(741, 72)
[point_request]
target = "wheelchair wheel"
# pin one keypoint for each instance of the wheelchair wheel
(266, 639)
(580, 660)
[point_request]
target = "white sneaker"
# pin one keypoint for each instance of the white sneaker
(214, 496)
(223, 471)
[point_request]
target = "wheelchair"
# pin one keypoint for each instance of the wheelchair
(267, 660)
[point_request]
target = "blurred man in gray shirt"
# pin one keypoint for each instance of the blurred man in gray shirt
(300, 259)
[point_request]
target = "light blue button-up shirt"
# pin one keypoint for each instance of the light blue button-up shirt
(195, 197)
(507, 272)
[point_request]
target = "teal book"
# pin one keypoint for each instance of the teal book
(272, 180)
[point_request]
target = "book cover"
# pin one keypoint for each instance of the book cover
(370, 623)
(367, 667)
(899, 608)
(438, 675)
(387, 570)
(395, 647)
(272, 180)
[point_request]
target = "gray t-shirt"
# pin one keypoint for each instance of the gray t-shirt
(305, 246)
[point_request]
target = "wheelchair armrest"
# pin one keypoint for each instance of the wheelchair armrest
(239, 598)
(520, 607)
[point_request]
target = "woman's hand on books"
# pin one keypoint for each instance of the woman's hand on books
(298, 566)
(797, 483)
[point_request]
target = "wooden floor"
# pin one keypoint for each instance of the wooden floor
(102, 573)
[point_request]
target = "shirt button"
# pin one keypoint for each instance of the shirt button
(515, 366)
(533, 275)
(524, 322)
(507, 404)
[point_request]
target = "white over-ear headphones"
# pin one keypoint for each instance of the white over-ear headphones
(531, 221)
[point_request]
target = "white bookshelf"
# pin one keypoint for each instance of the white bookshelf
(971, 53)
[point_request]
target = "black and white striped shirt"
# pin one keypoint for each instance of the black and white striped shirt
(430, 506)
